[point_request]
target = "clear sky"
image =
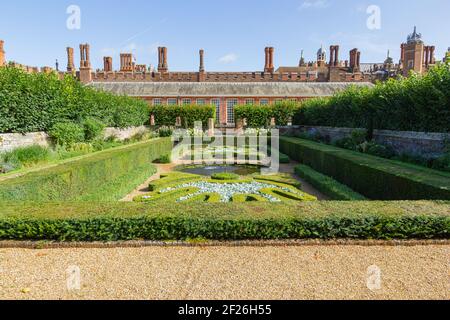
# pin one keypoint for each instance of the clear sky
(232, 32)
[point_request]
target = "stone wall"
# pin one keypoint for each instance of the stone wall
(429, 145)
(11, 141)
(122, 134)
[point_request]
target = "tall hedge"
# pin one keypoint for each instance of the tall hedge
(166, 115)
(106, 175)
(373, 177)
(417, 103)
(115, 221)
(259, 116)
(35, 102)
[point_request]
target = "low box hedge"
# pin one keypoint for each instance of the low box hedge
(373, 177)
(101, 221)
(105, 175)
(327, 185)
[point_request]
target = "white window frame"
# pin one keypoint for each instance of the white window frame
(186, 101)
(217, 102)
(249, 101)
(264, 102)
(157, 102)
(172, 101)
(201, 102)
(231, 103)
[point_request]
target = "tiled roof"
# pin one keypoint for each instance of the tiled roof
(224, 89)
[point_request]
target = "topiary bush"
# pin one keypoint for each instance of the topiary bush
(66, 133)
(93, 129)
(259, 116)
(225, 176)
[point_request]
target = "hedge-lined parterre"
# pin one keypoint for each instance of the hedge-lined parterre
(101, 221)
(373, 177)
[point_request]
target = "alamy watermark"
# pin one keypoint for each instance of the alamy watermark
(374, 280)
(374, 19)
(73, 278)
(213, 147)
(73, 22)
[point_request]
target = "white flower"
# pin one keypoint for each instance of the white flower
(228, 190)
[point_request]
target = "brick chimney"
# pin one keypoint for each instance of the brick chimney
(336, 57)
(266, 59)
(354, 60)
(202, 74)
(269, 65)
(202, 60)
(107, 64)
(163, 66)
(271, 60)
(85, 64)
(126, 62)
(2, 53)
(70, 60)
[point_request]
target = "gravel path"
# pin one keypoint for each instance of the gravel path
(303, 272)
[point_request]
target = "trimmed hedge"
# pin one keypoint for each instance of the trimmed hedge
(166, 115)
(105, 175)
(37, 101)
(373, 177)
(326, 185)
(417, 103)
(234, 221)
(259, 116)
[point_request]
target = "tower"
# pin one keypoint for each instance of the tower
(413, 54)
(2, 54)
(389, 62)
(321, 57)
(302, 60)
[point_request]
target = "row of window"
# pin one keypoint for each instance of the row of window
(174, 101)
(230, 104)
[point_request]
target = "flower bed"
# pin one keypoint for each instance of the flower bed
(182, 188)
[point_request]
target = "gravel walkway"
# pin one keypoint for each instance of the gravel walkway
(303, 272)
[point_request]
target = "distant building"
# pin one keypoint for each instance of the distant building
(323, 77)
(415, 56)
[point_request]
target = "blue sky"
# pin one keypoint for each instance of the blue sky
(232, 32)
